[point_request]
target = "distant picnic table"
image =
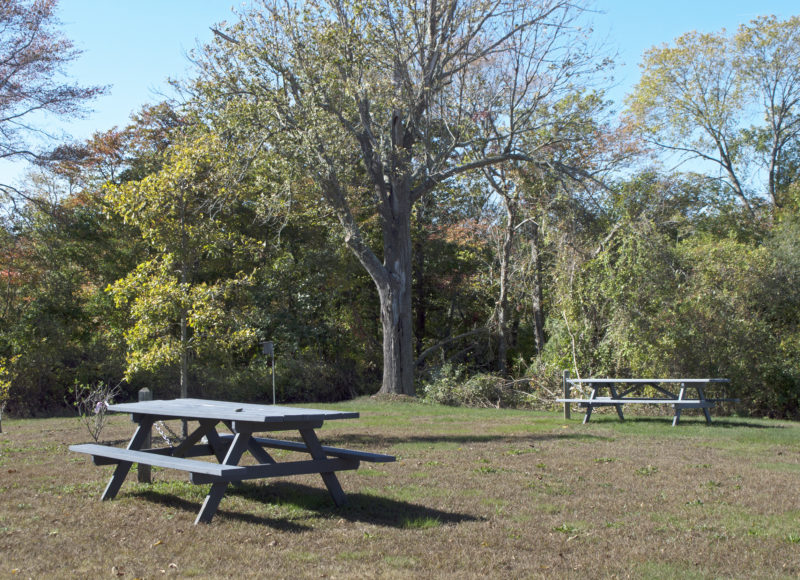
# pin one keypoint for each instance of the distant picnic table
(620, 393)
(243, 421)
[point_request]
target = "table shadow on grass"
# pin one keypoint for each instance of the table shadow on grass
(716, 422)
(360, 507)
(191, 507)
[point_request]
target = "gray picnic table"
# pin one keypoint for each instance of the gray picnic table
(243, 421)
(621, 391)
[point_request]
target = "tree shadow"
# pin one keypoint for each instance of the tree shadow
(367, 441)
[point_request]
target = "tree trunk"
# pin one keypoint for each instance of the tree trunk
(538, 308)
(419, 293)
(501, 311)
(394, 291)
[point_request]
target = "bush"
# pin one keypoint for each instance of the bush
(451, 386)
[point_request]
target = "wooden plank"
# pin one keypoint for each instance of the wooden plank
(335, 451)
(607, 401)
(158, 459)
(284, 469)
(229, 411)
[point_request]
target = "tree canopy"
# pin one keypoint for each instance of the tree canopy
(418, 198)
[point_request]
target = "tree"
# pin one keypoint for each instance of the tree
(569, 134)
(189, 296)
(32, 58)
(698, 96)
(382, 103)
(770, 65)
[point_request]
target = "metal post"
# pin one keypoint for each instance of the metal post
(268, 348)
(566, 386)
(143, 471)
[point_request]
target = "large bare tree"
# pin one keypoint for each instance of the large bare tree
(33, 55)
(381, 102)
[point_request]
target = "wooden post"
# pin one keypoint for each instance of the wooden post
(143, 472)
(566, 386)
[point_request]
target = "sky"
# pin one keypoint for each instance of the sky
(134, 46)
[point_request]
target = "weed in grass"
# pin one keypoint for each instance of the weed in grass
(372, 472)
(566, 529)
(647, 470)
(515, 451)
(552, 488)
(486, 470)
(303, 556)
(402, 562)
(549, 509)
(666, 570)
(793, 538)
(605, 459)
(354, 556)
(421, 523)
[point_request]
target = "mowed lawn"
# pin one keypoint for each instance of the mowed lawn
(475, 493)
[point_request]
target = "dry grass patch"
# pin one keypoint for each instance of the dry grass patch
(474, 493)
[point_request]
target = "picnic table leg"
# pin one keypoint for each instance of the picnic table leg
(214, 440)
(678, 409)
(329, 477)
(613, 390)
(121, 471)
(588, 414)
(254, 448)
(702, 396)
(217, 492)
(589, 406)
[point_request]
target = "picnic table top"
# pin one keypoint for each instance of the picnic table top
(229, 411)
(647, 381)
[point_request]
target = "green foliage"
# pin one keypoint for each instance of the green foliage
(451, 385)
(664, 298)
(189, 298)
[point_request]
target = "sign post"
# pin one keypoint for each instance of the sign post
(268, 348)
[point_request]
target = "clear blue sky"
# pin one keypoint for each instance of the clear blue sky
(135, 45)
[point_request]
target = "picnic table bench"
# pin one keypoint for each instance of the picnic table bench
(243, 421)
(621, 389)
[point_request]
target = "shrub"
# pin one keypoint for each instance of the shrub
(451, 386)
(92, 404)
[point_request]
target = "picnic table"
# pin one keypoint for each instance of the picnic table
(620, 391)
(243, 421)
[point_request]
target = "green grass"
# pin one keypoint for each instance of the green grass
(474, 493)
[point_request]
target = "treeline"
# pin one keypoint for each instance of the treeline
(541, 233)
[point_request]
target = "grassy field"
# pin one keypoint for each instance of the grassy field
(474, 494)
